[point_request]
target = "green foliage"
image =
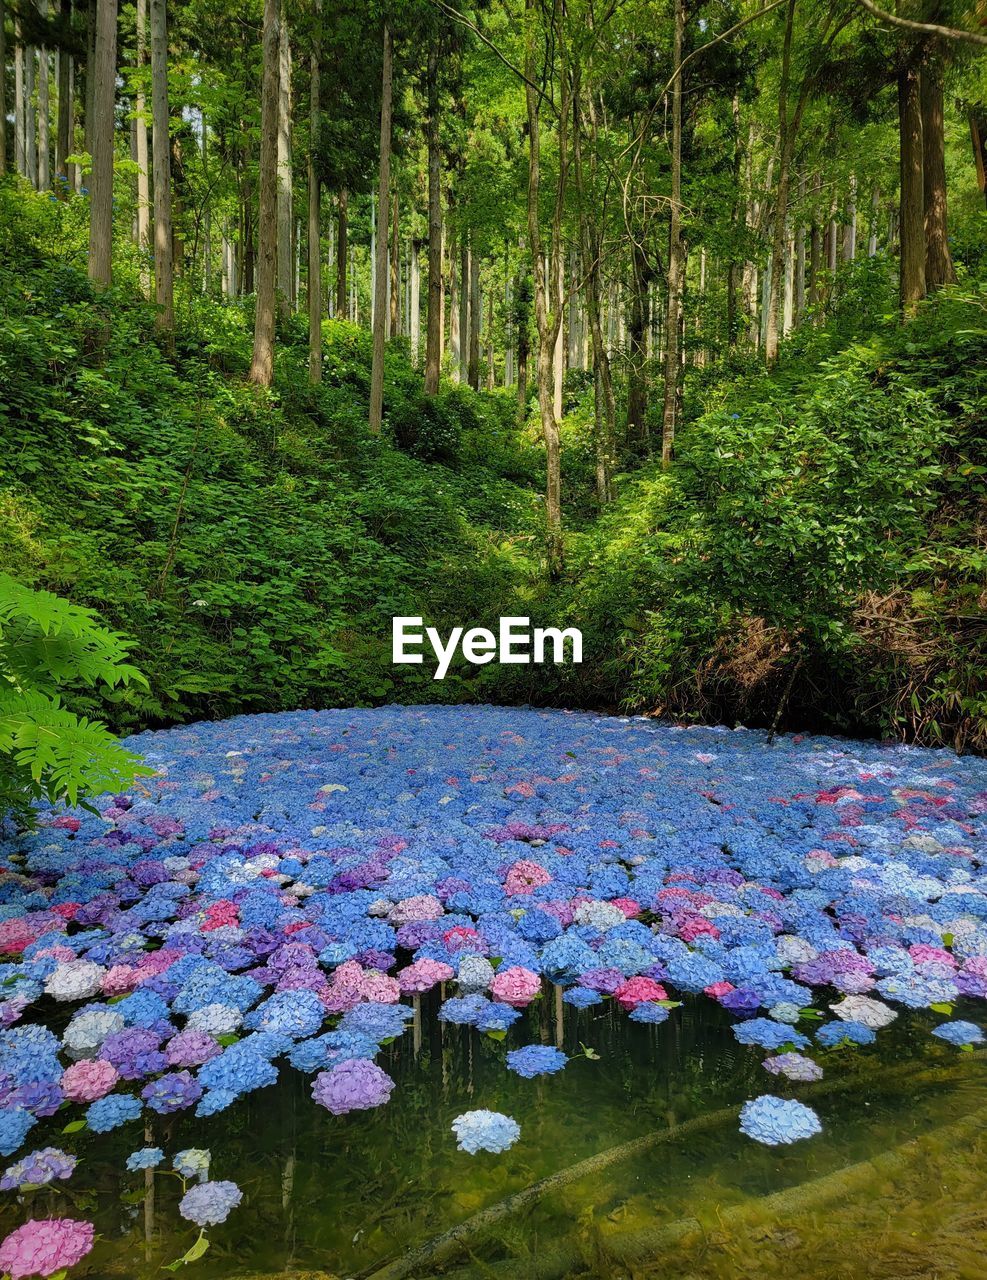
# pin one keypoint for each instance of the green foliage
(48, 648)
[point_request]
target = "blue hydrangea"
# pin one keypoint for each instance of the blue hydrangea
(536, 1060)
(15, 1125)
(768, 1034)
(833, 1033)
(112, 1111)
(776, 1121)
(959, 1033)
(145, 1158)
(485, 1131)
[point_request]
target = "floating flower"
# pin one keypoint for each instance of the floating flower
(356, 1085)
(485, 1131)
(959, 1033)
(145, 1158)
(775, 1121)
(794, 1066)
(515, 986)
(38, 1169)
(536, 1060)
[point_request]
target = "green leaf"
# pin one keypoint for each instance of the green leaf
(941, 1007)
(74, 1126)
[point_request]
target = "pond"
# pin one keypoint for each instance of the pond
(630, 1161)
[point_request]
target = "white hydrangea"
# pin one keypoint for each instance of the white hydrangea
(793, 950)
(86, 1032)
(599, 915)
(75, 980)
(872, 1013)
(216, 1019)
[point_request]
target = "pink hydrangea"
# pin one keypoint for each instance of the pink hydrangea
(691, 927)
(120, 979)
(922, 953)
(630, 908)
(524, 876)
(515, 986)
(88, 1080)
(637, 991)
(220, 913)
(424, 974)
(42, 1247)
(20, 931)
(67, 823)
(717, 989)
(379, 988)
(423, 906)
(345, 987)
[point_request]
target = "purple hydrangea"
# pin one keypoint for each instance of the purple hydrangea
(354, 1085)
(209, 1203)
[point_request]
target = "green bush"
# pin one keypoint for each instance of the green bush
(49, 651)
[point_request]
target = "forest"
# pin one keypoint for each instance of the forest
(662, 322)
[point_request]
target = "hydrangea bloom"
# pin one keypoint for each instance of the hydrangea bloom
(794, 1066)
(515, 986)
(88, 1080)
(193, 1162)
(775, 1121)
(872, 1013)
(768, 1034)
(485, 1131)
(145, 1158)
(174, 1091)
(209, 1203)
(355, 1085)
(536, 1060)
(40, 1248)
(111, 1112)
(38, 1169)
(833, 1033)
(959, 1033)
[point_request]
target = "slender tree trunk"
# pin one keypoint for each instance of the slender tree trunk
(20, 104)
(63, 129)
(675, 255)
(101, 196)
(476, 322)
(464, 308)
(912, 200)
(415, 302)
(90, 87)
(455, 341)
(164, 267)
(342, 254)
(637, 389)
(786, 137)
(44, 112)
(30, 118)
(3, 89)
(394, 289)
(314, 209)
(548, 311)
(433, 335)
(376, 418)
(938, 260)
(143, 170)
(285, 216)
(977, 116)
(262, 364)
(850, 230)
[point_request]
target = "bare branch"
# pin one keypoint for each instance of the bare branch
(923, 28)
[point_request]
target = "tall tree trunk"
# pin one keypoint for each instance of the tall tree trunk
(415, 302)
(637, 383)
(20, 104)
(433, 334)
(3, 89)
(912, 200)
(90, 88)
(30, 118)
(455, 341)
(464, 307)
(978, 138)
(939, 268)
(376, 417)
(44, 112)
(286, 266)
(342, 254)
(63, 130)
(143, 171)
(101, 197)
(314, 209)
(262, 364)
(394, 288)
(476, 322)
(548, 308)
(786, 139)
(164, 267)
(675, 257)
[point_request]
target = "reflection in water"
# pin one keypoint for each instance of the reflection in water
(327, 1196)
